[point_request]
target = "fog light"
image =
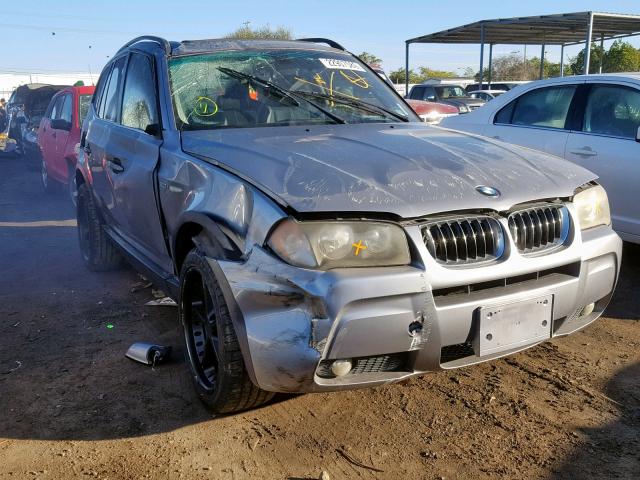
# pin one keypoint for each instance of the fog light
(341, 367)
(588, 310)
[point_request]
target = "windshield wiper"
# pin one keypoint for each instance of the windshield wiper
(270, 88)
(355, 102)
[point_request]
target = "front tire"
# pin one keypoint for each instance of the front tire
(98, 251)
(213, 352)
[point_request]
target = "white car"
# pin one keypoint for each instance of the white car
(593, 121)
(486, 95)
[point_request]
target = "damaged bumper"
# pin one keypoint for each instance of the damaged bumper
(391, 323)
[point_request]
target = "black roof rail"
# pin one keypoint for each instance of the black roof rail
(148, 38)
(331, 43)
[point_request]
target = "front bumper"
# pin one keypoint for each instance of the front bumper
(293, 322)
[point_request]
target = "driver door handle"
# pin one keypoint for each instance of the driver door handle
(116, 165)
(584, 152)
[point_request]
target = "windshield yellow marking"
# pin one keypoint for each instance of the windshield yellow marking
(205, 107)
(358, 79)
(338, 93)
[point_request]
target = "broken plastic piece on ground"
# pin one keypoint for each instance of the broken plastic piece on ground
(148, 353)
(166, 301)
(136, 287)
(158, 293)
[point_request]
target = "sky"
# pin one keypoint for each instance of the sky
(43, 36)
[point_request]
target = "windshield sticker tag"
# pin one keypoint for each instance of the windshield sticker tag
(341, 64)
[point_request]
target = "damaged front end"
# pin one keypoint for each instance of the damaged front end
(299, 322)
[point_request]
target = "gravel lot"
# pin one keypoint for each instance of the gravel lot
(72, 406)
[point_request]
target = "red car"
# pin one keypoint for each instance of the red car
(59, 137)
(431, 112)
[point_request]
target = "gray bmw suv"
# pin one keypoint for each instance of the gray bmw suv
(314, 233)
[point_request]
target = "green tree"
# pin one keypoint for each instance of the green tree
(513, 67)
(370, 58)
(621, 57)
(397, 76)
(468, 72)
(576, 64)
(79, 83)
(265, 32)
(426, 72)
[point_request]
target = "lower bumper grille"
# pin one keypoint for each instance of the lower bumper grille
(391, 362)
(456, 352)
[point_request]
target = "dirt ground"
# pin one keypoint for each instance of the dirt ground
(72, 406)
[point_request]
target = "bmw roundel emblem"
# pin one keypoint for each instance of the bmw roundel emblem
(488, 191)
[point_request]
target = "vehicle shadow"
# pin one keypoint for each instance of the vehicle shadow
(624, 304)
(64, 331)
(610, 451)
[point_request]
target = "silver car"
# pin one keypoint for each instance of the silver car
(593, 121)
(315, 234)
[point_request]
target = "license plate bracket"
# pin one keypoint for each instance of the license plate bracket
(511, 325)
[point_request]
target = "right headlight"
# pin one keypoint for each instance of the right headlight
(592, 207)
(335, 244)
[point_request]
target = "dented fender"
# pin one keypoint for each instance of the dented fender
(291, 318)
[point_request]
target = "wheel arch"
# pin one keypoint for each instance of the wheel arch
(198, 229)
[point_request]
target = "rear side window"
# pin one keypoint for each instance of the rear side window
(612, 110)
(53, 108)
(429, 92)
(139, 97)
(83, 107)
(66, 110)
(100, 88)
(416, 93)
(110, 100)
(544, 107)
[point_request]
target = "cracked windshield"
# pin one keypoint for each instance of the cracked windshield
(279, 88)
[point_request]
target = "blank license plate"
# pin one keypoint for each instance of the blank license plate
(512, 325)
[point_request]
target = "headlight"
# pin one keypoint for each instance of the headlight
(463, 109)
(325, 245)
(592, 207)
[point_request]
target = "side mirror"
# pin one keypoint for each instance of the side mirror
(60, 124)
(638, 135)
(153, 129)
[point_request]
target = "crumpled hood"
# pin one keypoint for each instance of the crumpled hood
(409, 170)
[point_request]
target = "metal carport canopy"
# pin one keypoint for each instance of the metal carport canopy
(560, 29)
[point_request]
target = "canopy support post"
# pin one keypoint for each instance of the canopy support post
(406, 70)
(542, 62)
(490, 65)
(562, 60)
(601, 52)
(587, 46)
(481, 53)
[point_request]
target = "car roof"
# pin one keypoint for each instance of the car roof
(486, 113)
(190, 47)
(81, 90)
(591, 77)
(486, 90)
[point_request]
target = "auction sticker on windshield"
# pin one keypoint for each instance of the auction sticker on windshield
(341, 64)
